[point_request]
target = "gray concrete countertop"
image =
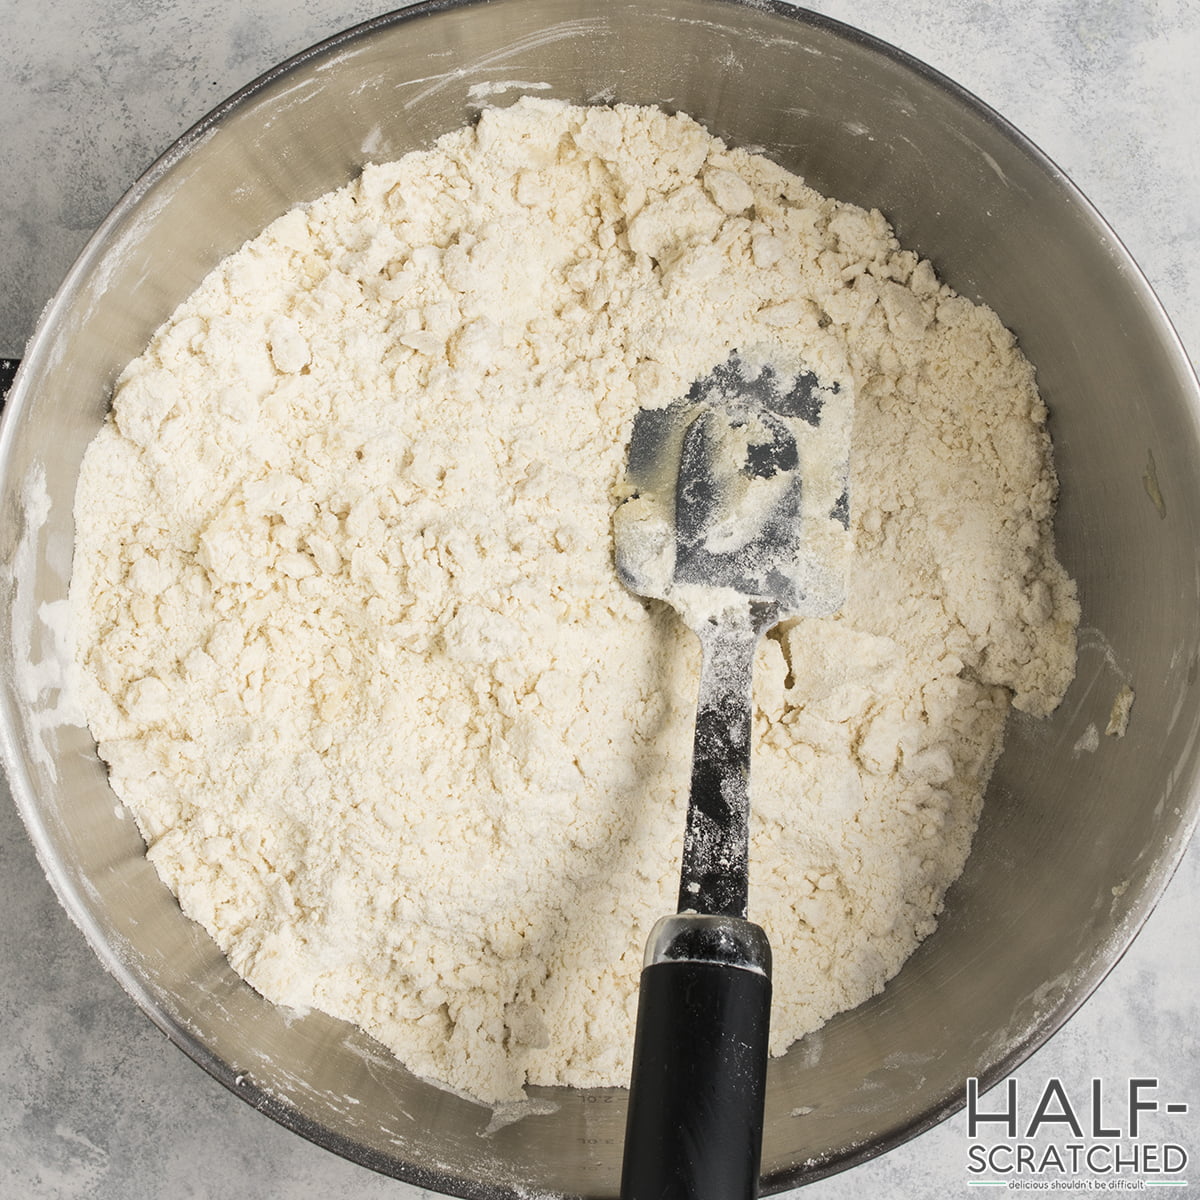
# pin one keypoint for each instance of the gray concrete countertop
(95, 1102)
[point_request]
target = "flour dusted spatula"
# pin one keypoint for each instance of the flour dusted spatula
(736, 513)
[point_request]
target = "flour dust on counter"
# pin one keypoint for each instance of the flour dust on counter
(352, 640)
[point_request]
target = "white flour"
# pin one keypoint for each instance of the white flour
(356, 653)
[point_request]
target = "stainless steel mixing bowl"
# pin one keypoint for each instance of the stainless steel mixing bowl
(1075, 845)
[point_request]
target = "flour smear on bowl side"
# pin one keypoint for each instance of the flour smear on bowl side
(355, 651)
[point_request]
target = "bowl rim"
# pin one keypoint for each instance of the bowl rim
(25, 795)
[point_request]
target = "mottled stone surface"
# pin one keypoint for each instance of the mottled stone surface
(96, 1104)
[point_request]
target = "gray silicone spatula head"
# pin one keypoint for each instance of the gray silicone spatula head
(736, 500)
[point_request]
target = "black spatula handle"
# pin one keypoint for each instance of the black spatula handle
(694, 1129)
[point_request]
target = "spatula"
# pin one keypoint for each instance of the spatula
(735, 511)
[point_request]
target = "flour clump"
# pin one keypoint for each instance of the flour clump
(354, 647)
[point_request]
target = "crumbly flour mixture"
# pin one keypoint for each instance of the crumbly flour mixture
(353, 643)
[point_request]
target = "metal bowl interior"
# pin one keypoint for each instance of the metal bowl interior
(1075, 846)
